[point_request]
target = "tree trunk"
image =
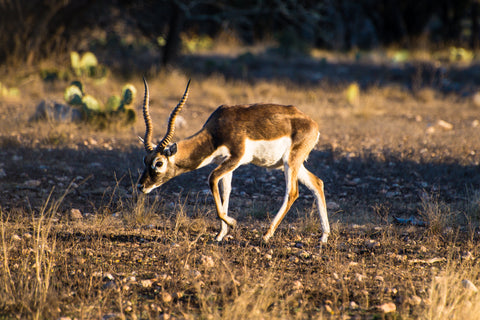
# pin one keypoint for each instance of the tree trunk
(173, 41)
(474, 40)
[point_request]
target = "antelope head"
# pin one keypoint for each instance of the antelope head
(160, 159)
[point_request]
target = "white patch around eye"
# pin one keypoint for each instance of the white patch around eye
(159, 168)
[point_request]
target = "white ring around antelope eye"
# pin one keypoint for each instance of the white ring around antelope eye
(157, 164)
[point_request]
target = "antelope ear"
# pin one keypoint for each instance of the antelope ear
(171, 150)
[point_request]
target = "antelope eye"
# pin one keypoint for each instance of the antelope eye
(157, 165)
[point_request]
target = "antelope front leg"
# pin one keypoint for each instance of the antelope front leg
(225, 189)
(224, 175)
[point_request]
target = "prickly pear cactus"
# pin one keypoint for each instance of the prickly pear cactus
(130, 116)
(87, 65)
(128, 94)
(8, 92)
(77, 84)
(113, 104)
(117, 110)
(73, 95)
(90, 106)
(75, 62)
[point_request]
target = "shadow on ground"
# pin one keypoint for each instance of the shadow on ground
(102, 178)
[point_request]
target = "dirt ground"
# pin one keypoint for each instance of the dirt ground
(409, 146)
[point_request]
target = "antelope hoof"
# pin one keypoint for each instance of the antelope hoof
(324, 237)
(220, 236)
(266, 237)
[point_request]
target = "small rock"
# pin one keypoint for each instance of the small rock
(444, 125)
(195, 274)
(359, 277)
(75, 214)
(388, 307)
(207, 261)
(299, 245)
(476, 99)
(268, 256)
(415, 300)
(294, 259)
(353, 305)
(109, 276)
(331, 205)
(80, 260)
(391, 291)
(430, 130)
(372, 244)
(109, 285)
(155, 308)
(297, 285)
(180, 122)
(467, 284)
(475, 123)
(32, 183)
(146, 283)
(16, 237)
(54, 111)
(328, 309)
(166, 297)
(95, 165)
(467, 256)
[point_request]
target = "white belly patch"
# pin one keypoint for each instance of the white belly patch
(263, 153)
(267, 153)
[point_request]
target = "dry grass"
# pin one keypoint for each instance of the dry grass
(169, 266)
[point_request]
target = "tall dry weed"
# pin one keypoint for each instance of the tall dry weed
(453, 293)
(471, 210)
(437, 215)
(28, 263)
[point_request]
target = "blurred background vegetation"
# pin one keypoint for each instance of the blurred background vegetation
(139, 32)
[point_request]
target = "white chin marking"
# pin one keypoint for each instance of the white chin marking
(148, 190)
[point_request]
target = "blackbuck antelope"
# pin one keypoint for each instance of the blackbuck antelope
(267, 135)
